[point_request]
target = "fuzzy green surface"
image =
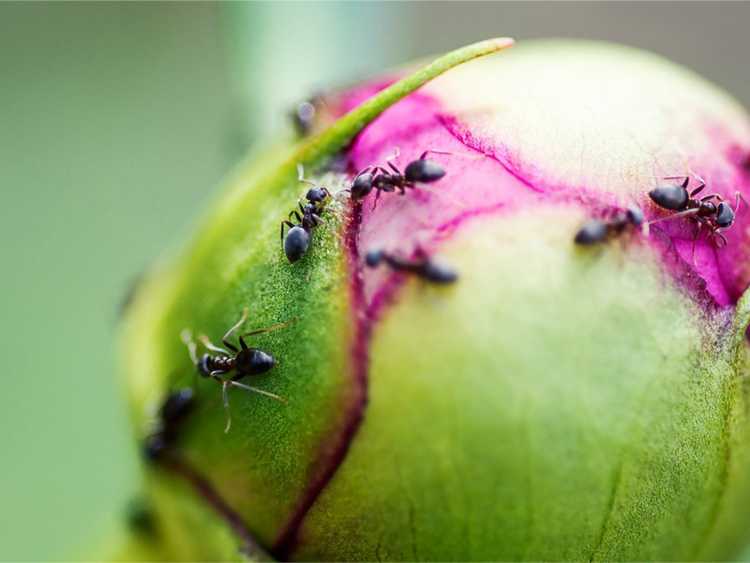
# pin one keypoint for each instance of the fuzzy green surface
(235, 260)
(597, 420)
(265, 460)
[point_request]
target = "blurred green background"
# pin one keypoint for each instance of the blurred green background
(117, 121)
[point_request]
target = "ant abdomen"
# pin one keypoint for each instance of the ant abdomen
(296, 243)
(424, 171)
(674, 198)
(592, 232)
(252, 361)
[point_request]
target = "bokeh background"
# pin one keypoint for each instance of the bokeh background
(117, 122)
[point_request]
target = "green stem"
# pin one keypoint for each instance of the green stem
(341, 133)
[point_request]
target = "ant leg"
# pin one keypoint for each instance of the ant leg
(256, 390)
(212, 347)
(286, 224)
(396, 152)
(431, 151)
(365, 170)
(301, 174)
(296, 215)
(377, 198)
(699, 189)
(225, 399)
(187, 338)
(231, 330)
(695, 240)
(394, 168)
(710, 197)
(685, 213)
(686, 179)
(722, 238)
(271, 328)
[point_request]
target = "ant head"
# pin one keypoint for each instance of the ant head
(724, 215)
(252, 361)
(204, 365)
(374, 257)
(674, 198)
(423, 170)
(439, 273)
(296, 243)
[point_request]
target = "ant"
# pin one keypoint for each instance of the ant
(303, 115)
(140, 516)
(598, 230)
(172, 413)
(421, 266)
(704, 211)
(297, 240)
(243, 361)
(421, 170)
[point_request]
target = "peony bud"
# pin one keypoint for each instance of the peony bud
(548, 400)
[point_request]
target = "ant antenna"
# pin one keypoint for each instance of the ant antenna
(236, 325)
(211, 346)
(271, 328)
(739, 197)
(301, 174)
(187, 338)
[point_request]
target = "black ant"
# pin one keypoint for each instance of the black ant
(297, 240)
(172, 413)
(243, 361)
(704, 211)
(598, 230)
(421, 266)
(419, 171)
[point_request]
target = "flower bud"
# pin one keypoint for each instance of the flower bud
(547, 400)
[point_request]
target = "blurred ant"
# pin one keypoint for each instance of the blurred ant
(421, 266)
(297, 240)
(243, 361)
(172, 413)
(140, 516)
(598, 230)
(419, 171)
(710, 211)
(303, 115)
